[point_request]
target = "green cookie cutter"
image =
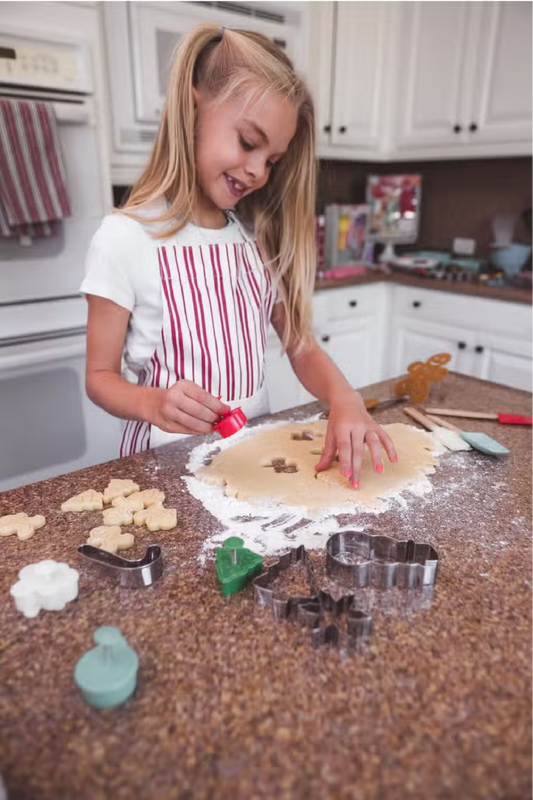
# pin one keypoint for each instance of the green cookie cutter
(236, 566)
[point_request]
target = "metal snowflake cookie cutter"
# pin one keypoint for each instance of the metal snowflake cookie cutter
(355, 560)
(283, 606)
(130, 573)
(314, 613)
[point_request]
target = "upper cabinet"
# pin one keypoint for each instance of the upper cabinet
(464, 72)
(348, 45)
(391, 80)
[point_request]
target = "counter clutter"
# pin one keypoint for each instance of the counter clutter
(231, 703)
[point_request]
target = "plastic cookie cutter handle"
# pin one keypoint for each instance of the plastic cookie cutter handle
(130, 573)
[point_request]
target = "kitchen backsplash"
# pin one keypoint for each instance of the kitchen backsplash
(459, 198)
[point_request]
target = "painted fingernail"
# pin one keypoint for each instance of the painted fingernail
(346, 473)
(394, 459)
(379, 468)
(354, 484)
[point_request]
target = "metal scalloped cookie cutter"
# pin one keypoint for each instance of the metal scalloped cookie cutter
(311, 610)
(356, 560)
(130, 573)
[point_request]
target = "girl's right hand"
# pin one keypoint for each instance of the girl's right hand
(186, 408)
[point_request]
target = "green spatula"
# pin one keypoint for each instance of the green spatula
(479, 441)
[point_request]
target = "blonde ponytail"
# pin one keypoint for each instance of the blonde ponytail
(225, 63)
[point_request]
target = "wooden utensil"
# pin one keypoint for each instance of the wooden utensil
(450, 440)
(506, 419)
(479, 441)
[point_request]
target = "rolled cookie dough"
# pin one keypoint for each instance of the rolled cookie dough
(278, 464)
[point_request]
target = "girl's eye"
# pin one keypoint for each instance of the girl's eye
(245, 144)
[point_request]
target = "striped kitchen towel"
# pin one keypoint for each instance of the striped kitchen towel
(33, 193)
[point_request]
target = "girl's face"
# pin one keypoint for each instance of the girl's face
(238, 143)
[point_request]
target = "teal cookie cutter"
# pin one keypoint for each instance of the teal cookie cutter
(107, 674)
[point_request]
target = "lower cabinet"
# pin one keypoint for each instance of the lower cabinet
(374, 332)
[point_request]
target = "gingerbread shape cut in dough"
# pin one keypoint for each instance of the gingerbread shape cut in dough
(117, 516)
(139, 500)
(90, 500)
(110, 538)
(245, 470)
(119, 487)
(21, 524)
(157, 518)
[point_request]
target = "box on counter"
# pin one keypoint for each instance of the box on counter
(346, 245)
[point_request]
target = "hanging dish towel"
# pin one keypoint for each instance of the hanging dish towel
(33, 193)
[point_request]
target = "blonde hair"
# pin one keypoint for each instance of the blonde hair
(225, 63)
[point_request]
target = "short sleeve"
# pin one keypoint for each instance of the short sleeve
(108, 265)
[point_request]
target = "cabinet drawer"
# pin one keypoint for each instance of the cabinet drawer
(474, 313)
(348, 303)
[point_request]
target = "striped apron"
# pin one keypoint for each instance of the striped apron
(217, 303)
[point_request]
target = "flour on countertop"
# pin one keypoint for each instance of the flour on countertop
(270, 527)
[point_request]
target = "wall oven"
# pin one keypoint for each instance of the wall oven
(47, 424)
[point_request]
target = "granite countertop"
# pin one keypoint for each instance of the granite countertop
(232, 704)
(511, 294)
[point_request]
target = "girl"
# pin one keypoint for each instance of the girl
(181, 289)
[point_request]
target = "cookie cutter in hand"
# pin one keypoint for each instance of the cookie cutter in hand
(310, 610)
(130, 573)
(382, 562)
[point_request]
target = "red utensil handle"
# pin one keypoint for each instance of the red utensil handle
(514, 419)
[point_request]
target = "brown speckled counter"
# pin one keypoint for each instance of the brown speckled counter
(232, 705)
(511, 294)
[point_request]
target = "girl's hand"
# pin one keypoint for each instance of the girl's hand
(186, 408)
(350, 427)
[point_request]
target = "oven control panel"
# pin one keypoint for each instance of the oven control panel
(42, 65)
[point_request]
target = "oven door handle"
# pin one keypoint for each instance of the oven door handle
(66, 343)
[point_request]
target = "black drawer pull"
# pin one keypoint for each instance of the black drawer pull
(352, 303)
(327, 128)
(473, 127)
(457, 129)
(416, 303)
(479, 348)
(325, 338)
(342, 129)
(461, 345)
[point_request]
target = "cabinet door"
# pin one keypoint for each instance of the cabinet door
(417, 341)
(359, 65)
(503, 360)
(284, 388)
(318, 71)
(430, 73)
(501, 106)
(350, 346)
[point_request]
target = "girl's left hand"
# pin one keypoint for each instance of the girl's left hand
(350, 427)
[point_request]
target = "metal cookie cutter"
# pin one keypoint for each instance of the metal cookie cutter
(130, 573)
(358, 623)
(283, 606)
(355, 559)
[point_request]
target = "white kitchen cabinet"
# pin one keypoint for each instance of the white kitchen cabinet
(503, 360)
(418, 340)
(466, 72)
(346, 69)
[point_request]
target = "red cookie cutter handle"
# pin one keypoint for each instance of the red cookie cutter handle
(231, 423)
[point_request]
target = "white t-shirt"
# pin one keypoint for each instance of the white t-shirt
(122, 266)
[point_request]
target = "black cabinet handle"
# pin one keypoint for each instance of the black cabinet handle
(416, 304)
(327, 128)
(461, 345)
(352, 303)
(479, 349)
(457, 128)
(325, 338)
(473, 127)
(342, 129)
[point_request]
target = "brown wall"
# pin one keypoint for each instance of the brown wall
(459, 198)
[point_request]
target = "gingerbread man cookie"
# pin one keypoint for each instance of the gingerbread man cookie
(21, 524)
(157, 518)
(110, 538)
(118, 487)
(118, 516)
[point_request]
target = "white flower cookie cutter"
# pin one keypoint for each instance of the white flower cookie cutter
(47, 585)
